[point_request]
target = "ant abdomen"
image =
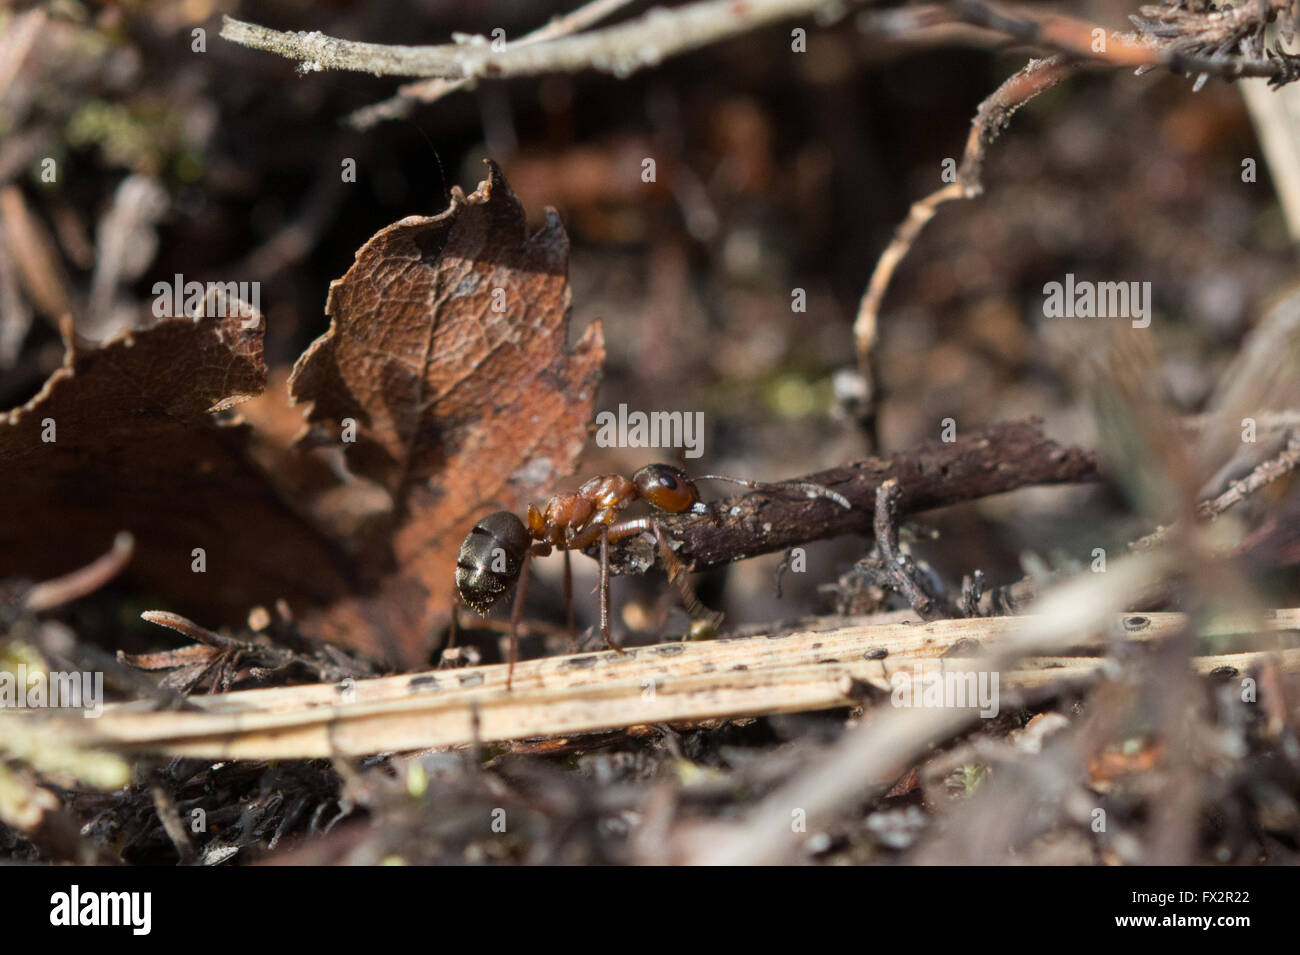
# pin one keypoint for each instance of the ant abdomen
(489, 560)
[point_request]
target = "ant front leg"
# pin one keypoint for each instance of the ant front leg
(453, 630)
(677, 575)
(673, 565)
(568, 591)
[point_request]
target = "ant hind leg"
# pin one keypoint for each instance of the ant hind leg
(568, 591)
(516, 614)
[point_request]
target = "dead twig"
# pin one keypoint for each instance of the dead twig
(428, 91)
(896, 565)
(557, 696)
(1265, 474)
(622, 49)
(62, 590)
(990, 119)
(1002, 458)
(33, 250)
(215, 662)
(1227, 42)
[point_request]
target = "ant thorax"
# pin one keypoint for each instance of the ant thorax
(563, 516)
(609, 491)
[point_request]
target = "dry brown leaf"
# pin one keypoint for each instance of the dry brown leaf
(136, 447)
(351, 510)
(448, 349)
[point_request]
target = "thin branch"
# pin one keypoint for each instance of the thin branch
(428, 91)
(1184, 42)
(200, 634)
(1227, 42)
(990, 119)
(597, 691)
(1269, 471)
(622, 49)
(1189, 42)
(876, 753)
(1002, 458)
(895, 564)
(63, 590)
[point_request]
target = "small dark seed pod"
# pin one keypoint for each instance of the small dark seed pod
(489, 560)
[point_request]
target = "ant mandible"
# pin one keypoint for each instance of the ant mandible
(497, 551)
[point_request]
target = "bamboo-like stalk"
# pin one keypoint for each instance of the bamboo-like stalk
(580, 693)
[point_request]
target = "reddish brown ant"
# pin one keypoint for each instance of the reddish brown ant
(497, 551)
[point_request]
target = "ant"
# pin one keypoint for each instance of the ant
(499, 548)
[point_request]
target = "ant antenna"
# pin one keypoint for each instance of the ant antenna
(810, 489)
(442, 173)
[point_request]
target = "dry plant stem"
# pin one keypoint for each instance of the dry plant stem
(1074, 42)
(874, 755)
(888, 496)
(595, 691)
(1265, 474)
(170, 818)
(1061, 33)
(1275, 114)
(1076, 38)
(428, 91)
(1002, 458)
(620, 49)
(922, 211)
(62, 590)
(189, 628)
(990, 119)
(16, 40)
(34, 252)
(661, 33)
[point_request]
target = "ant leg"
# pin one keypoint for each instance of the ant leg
(568, 591)
(678, 577)
(453, 629)
(808, 487)
(604, 589)
(516, 614)
(673, 565)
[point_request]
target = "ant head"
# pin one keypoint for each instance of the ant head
(668, 488)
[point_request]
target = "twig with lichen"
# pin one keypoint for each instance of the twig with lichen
(621, 49)
(431, 90)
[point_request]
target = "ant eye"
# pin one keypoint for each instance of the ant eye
(666, 487)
